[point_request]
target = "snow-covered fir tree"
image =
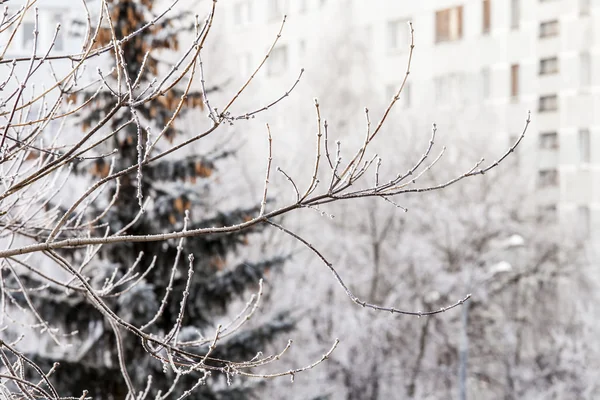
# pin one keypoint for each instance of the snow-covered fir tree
(171, 189)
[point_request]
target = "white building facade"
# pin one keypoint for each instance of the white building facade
(478, 67)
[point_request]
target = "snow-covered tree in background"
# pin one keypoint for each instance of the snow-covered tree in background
(522, 335)
(174, 185)
(529, 329)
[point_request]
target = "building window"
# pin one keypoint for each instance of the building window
(237, 13)
(367, 37)
(276, 9)
(485, 83)
(487, 17)
(549, 141)
(242, 13)
(548, 65)
(514, 80)
(405, 95)
(390, 90)
(303, 6)
(448, 24)
(585, 70)
(441, 89)
(548, 103)
(515, 14)
(548, 29)
(249, 11)
(398, 34)
(548, 213)
(404, 98)
(584, 219)
(245, 64)
(449, 88)
(28, 28)
(584, 146)
(547, 178)
(584, 7)
(278, 61)
(59, 43)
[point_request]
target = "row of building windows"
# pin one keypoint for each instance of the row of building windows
(446, 86)
(448, 28)
(548, 177)
(277, 63)
(449, 83)
(548, 66)
(46, 28)
(583, 218)
(276, 9)
(549, 141)
(450, 86)
(449, 22)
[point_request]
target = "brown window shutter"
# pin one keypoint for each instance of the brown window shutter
(514, 80)
(487, 16)
(459, 11)
(442, 25)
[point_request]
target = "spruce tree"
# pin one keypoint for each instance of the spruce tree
(173, 186)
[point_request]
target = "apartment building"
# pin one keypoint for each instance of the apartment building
(479, 65)
(50, 14)
(53, 22)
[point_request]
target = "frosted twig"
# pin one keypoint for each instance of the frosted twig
(263, 203)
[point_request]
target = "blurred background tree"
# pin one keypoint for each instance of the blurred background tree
(527, 332)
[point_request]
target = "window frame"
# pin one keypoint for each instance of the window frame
(548, 177)
(584, 142)
(486, 17)
(444, 23)
(584, 219)
(395, 25)
(278, 66)
(27, 35)
(515, 14)
(549, 29)
(585, 7)
(543, 140)
(544, 62)
(515, 81)
(550, 98)
(585, 69)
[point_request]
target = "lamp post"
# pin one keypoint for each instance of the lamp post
(507, 247)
